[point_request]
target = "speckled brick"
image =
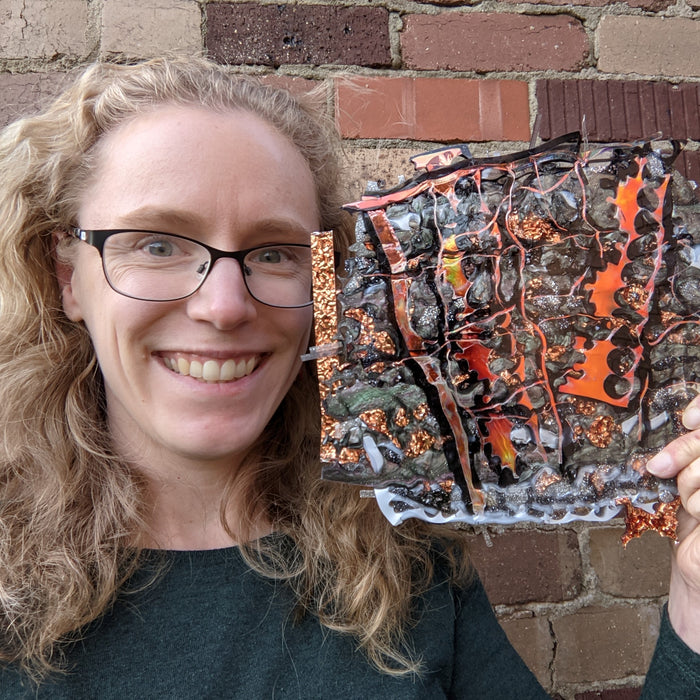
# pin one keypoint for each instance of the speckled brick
(533, 640)
(41, 29)
(652, 45)
(612, 694)
(640, 570)
(613, 642)
(246, 33)
(529, 565)
(143, 28)
(25, 94)
(493, 41)
(433, 109)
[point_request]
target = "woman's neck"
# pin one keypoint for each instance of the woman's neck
(186, 502)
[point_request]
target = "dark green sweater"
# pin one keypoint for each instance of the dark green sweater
(212, 628)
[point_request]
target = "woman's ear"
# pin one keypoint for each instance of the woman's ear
(64, 275)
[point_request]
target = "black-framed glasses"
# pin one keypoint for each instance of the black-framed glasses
(156, 266)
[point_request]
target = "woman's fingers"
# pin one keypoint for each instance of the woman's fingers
(676, 455)
(683, 450)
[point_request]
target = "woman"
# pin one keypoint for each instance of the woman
(164, 530)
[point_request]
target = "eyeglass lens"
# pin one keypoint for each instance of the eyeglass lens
(162, 267)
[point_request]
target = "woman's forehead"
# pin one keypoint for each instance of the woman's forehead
(195, 159)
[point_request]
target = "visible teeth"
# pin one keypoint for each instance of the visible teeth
(228, 371)
(211, 370)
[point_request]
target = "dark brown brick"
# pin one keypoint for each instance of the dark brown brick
(618, 110)
(614, 694)
(533, 640)
(247, 33)
(529, 565)
(484, 41)
(688, 164)
(23, 94)
(639, 570)
(604, 643)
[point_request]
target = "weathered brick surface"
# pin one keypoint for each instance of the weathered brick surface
(651, 5)
(385, 165)
(651, 46)
(614, 694)
(26, 93)
(639, 570)
(432, 109)
(151, 27)
(595, 643)
(533, 640)
(271, 35)
(618, 110)
(491, 41)
(529, 565)
(42, 29)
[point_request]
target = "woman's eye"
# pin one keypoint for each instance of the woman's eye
(271, 255)
(160, 249)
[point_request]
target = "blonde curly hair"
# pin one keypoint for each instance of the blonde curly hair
(70, 509)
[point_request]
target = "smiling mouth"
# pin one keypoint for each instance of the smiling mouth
(210, 370)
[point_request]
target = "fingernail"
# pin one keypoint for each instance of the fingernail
(660, 465)
(691, 417)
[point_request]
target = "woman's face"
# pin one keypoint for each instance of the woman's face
(231, 181)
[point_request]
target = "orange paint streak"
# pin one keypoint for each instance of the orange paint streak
(400, 287)
(439, 159)
(596, 370)
(499, 439)
(390, 243)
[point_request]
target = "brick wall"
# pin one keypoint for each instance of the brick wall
(402, 75)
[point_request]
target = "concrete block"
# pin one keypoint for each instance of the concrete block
(651, 46)
(143, 28)
(43, 28)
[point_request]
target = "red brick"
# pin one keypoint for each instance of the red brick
(433, 109)
(640, 570)
(613, 694)
(24, 94)
(297, 86)
(604, 643)
(247, 33)
(618, 110)
(529, 565)
(490, 41)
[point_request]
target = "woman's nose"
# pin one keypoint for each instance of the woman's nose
(223, 299)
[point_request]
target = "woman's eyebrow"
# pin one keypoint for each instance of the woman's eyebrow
(174, 218)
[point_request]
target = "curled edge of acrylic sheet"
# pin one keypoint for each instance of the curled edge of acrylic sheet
(515, 336)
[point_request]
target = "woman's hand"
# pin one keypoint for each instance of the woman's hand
(681, 458)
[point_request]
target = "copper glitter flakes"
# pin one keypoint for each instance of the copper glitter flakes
(663, 520)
